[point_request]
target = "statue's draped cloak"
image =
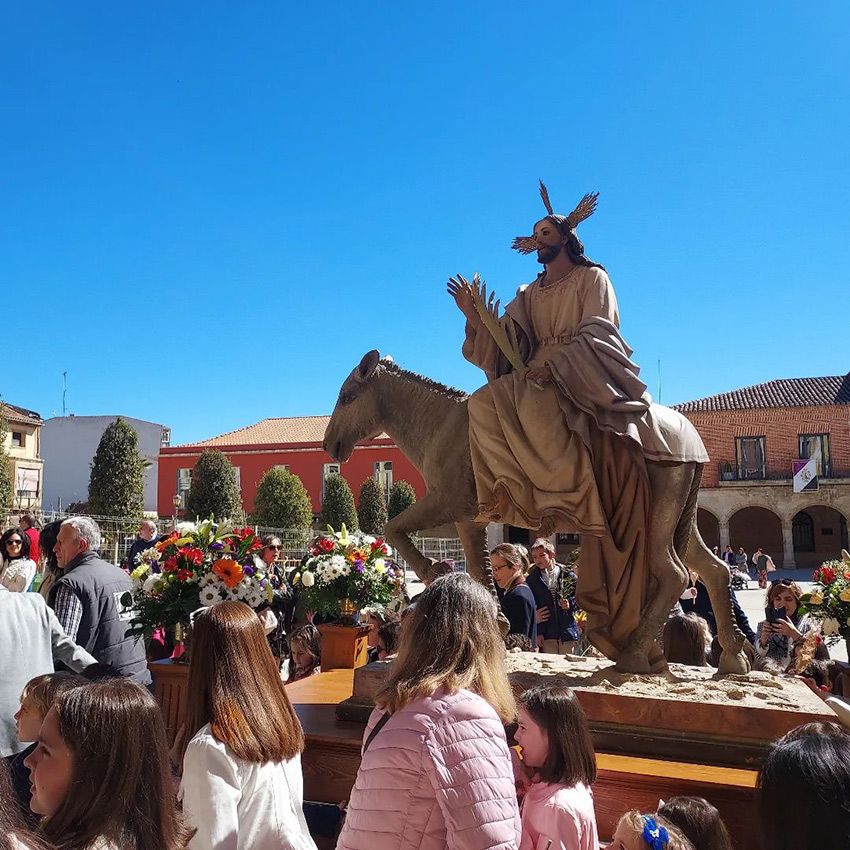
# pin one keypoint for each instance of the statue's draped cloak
(572, 456)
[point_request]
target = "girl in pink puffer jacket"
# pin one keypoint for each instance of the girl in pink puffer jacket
(436, 770)
(559, 766)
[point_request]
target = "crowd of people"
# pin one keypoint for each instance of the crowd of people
(451, 757)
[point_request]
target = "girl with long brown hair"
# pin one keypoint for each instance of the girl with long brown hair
(435, 765)
(100, 773)
(242, 783)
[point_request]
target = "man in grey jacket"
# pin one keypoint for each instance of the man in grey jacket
(31, 640)
(87, 600)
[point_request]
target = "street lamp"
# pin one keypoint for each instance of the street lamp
(177, 501)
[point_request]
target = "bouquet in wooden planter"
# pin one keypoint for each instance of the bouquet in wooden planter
(194, 567)
(346, 571)
(828, 601)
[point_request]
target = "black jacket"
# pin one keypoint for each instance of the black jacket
(561, 624)
(518, 606)
(702, 606)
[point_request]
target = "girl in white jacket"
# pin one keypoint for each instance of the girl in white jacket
(242, 785)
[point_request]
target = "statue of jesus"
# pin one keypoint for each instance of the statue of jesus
(563, 444)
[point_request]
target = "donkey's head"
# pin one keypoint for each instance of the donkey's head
(356, 416)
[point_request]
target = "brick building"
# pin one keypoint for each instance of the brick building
(293, 442)
(753, 435)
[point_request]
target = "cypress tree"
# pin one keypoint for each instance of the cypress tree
(116, 485)
(372, 507)
(281, 501)
(402, 496)
(214, 490)
(338, 505)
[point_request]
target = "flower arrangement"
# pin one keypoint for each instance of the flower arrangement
(195, 566)
(829, 600)
(347, 567)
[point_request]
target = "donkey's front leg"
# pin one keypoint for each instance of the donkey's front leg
(426, 513)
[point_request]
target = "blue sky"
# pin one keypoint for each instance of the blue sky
(212, 210)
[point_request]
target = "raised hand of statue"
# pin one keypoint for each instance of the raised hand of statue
(539, 375)
(461, 290)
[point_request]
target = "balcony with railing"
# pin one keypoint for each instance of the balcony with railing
(729, 471)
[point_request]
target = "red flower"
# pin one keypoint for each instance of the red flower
(170, 565)
(825, 575)
(184, 575)
(192, 554)
(325, 544)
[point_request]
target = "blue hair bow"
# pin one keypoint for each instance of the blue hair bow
(654, 835)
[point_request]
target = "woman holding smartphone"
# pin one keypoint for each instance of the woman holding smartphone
(783, 630)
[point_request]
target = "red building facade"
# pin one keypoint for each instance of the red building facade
(294, 443)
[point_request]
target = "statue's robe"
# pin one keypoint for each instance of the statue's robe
(572, 456)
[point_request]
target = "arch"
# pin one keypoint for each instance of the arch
(756, 526)
(709, 527)
(820, 533)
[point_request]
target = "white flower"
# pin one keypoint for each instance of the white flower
(209, 596)
(149, 582)
(208, 579)
(368, 539)
(337, 561)
(816, 598)
(254, 599)
(308, 579)
(184, 528)
(830, 626)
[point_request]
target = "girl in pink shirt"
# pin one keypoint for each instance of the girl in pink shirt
(559, 765)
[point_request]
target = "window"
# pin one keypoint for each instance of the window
(750, 457)
(816, 446)
(568, 539)
(803, 532)
(328, 469)
(184, 484)
(165, 437)
(18, 439)
(26, 482)
(383, 473)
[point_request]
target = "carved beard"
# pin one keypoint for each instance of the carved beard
(547, 253)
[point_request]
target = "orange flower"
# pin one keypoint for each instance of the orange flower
(228, 571)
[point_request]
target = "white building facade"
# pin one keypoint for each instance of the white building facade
(68, 445)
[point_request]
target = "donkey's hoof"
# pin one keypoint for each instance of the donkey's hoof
(733, 663)
(633, 661)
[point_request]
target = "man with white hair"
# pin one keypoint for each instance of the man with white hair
(87, 600)
(147, 539)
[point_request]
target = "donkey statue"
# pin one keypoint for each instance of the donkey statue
(429, 423)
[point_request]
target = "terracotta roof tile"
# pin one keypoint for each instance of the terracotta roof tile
(784, 392)
(288, 429)
(20, 414)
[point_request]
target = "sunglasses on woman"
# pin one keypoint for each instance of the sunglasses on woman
(14, 542)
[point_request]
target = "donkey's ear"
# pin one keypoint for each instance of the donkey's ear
(368, 364)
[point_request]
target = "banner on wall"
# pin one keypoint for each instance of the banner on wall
(805, 473)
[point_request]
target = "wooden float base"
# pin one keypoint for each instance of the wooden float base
(332, 757)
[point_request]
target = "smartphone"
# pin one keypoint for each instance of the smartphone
(775, 614)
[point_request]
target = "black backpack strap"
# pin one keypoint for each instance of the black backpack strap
(375, 729)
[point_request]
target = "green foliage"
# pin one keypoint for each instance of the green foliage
(402, 496)
(338, 505)
(372, 507)
(6, 483)
(281, 501)
(214, 491)
(116, 485)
